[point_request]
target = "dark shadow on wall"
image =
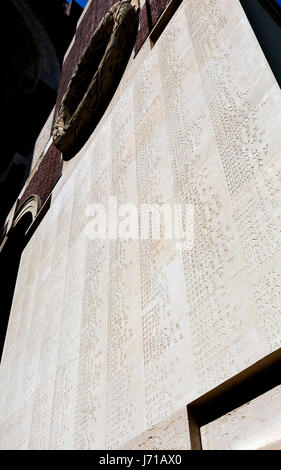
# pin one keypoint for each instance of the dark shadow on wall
(265, 19)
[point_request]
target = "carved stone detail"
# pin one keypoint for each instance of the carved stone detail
(96, 78)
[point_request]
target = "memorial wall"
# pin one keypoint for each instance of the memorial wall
(110, 339)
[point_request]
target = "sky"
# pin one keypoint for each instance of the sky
(80, 2)
(279, 2)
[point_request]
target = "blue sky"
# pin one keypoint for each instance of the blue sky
(279, 2)
(81, 2)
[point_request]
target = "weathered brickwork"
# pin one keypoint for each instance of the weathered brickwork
(149, 15)
(46, 176)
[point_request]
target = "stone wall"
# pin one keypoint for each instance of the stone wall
(42, 140)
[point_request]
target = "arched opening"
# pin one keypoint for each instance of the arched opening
(11, 248)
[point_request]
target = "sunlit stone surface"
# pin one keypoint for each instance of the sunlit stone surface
(108, 339)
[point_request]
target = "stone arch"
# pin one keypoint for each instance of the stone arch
(13, 241)
(32, 206)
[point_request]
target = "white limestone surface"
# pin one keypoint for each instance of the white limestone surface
(170, 434)
(109, 338)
